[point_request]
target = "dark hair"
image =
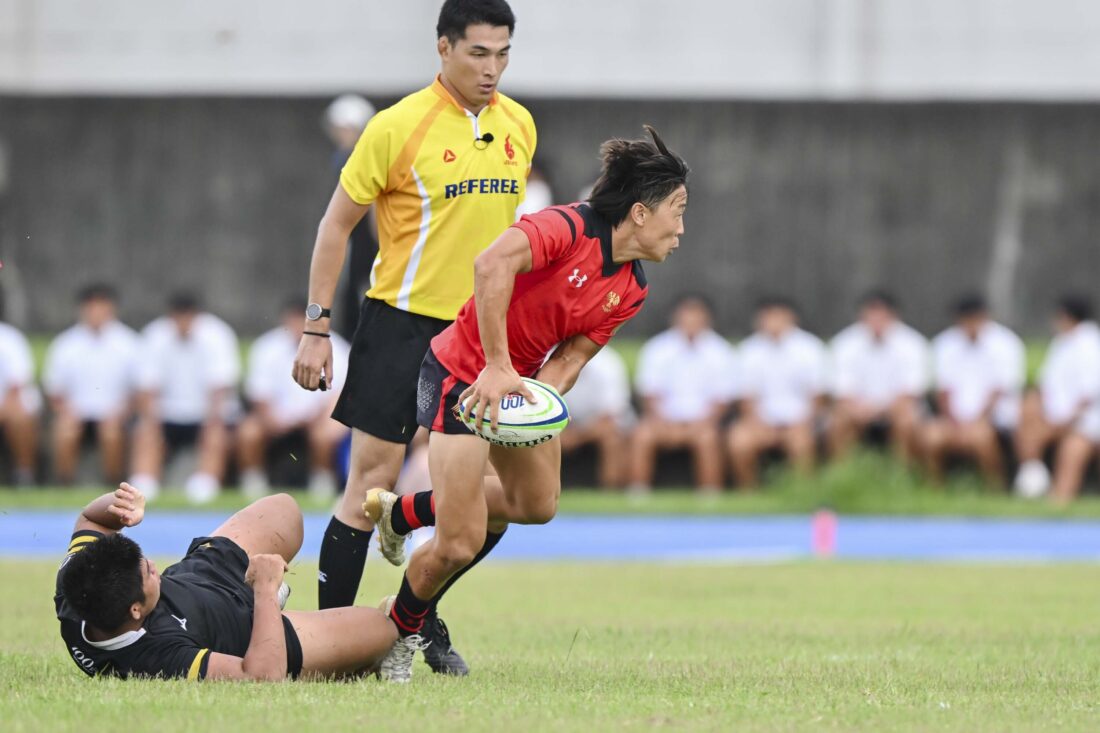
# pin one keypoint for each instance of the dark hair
(879, 298)
(183, 302)
(1077, 307)
(96, 291)
(635, 171)
(457, 15)
(776, 301)
(971, 304)
(103, 580)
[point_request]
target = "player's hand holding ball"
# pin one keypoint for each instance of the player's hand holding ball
(128, 505)
(527, 415)
(265, 571)
(485, 394)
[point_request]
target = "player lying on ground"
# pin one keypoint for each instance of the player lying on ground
(563, 279)
(216, 614)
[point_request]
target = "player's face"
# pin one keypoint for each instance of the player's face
(184, 320)
(97, 312)
(473, 65)
(691, 319)
(775, 321)
(660, 228)
(971, 325)
(877, 318)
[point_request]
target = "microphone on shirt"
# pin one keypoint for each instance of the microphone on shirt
(486, 138)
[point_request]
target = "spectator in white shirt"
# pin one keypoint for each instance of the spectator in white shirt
(187, 381)
(1065, 412)
(686, 381)
(279, 407)
(980, 369)
(782, 380)
(19, 403)
(90, 378)
(600, 414)
(879, 376)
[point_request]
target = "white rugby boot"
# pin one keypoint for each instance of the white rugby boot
(379, 507)
(397, 665)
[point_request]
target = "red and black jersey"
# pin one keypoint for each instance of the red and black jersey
(574, 287)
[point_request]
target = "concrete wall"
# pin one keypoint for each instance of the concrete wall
(816, 200)
(820, 49)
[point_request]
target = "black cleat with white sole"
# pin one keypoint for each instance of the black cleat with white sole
(440, 655)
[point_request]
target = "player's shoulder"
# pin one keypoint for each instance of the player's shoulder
(516, 110)
(10, 335)
(208, 325)
(908, 336)
(408, 110)
(807, 341)
(853, 336)
(158, 329)
(947, 339)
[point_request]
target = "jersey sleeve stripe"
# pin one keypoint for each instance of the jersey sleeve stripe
(78, 543)
(569, 221)
(401, 170)
(195, 672)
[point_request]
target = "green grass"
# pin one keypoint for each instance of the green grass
(868, 483)
(564, 647)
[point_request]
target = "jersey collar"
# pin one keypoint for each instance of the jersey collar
(595, 227)
(119, 642)
(441, 91)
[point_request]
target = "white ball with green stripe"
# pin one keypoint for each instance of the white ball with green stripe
(520, 422)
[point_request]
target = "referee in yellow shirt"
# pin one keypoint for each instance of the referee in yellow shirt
(445, 168)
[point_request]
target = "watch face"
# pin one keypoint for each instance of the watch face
(313, 311)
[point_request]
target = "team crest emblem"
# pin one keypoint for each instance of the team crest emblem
(613, 300)
(577, 279)
(448, 156)
(508, 149)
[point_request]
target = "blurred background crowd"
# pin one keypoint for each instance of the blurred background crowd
(891, 238)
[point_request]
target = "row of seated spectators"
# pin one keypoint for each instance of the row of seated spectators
(780, 390)
(963, 395)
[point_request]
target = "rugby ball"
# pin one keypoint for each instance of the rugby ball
(521, 423)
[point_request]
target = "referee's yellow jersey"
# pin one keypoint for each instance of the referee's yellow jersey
(441, 195)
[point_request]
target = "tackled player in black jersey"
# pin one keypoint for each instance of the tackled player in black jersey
(216, 614)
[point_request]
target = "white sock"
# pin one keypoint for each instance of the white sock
(147, 484)
(202, 488)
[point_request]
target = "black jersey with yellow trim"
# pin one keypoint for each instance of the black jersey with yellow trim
(200, 610)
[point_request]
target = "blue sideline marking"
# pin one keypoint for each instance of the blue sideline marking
(654, 538)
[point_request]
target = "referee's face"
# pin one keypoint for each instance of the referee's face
(472, 66)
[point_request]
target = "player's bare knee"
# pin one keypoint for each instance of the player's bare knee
(456, 553)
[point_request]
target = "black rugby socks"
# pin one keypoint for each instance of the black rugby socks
(413, 511)
(408, 611)
(343, 554)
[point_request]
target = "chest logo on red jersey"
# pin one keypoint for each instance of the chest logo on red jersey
(448, 156)
(612, 301)
(508, 149)
(577, 279)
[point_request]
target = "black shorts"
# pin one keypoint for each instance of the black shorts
(379, 395)
(437, 394)
(224, 562)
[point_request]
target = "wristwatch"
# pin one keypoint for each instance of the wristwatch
(314, 312)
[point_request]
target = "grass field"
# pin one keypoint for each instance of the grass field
(808, 646)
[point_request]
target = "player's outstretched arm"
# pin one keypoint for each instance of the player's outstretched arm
(314, 352)
(564, 366)
(265, 658)
(112, 512)
(495, 272)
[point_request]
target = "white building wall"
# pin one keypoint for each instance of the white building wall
(816, 49)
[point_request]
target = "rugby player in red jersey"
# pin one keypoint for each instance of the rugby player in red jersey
(562, 280)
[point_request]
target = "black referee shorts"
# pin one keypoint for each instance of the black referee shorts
(379, 395)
